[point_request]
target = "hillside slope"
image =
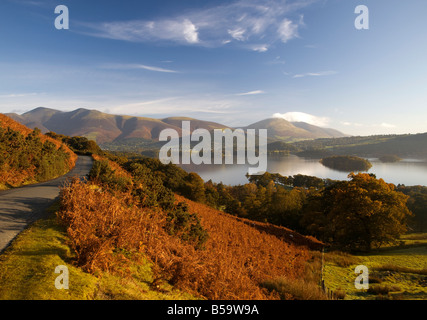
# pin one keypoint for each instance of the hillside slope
(27, 156)
(287, 235)
(193, 247)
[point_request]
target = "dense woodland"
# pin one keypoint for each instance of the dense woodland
(417, 203)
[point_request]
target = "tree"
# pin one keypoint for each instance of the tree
(194, 187)
(260, 180)
(286, 207)
(417, 203)
(361, 213)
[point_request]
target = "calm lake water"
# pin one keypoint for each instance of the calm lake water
(408, 171)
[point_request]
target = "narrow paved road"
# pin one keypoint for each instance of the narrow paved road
(22, 206)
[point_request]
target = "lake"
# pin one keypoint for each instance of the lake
(408, 171)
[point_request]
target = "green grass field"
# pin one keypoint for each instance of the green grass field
(394, 272)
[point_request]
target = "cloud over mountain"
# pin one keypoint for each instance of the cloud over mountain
(303, 117)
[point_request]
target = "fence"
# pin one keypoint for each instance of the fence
(332, 295)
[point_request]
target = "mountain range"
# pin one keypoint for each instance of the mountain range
(104, 127)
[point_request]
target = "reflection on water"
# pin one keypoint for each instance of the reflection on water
(408, 171)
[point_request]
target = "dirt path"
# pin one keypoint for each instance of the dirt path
(22, 206)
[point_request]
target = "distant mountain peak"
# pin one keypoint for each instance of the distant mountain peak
(41, 110)
(178, 119)
(104, 127)
(284, 130)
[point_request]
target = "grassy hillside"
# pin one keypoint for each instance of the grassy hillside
(27, 156)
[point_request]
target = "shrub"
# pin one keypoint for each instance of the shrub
(103, 173)
(27, 156)
(379, 289)
(80, 145)
(185, 225)
(340, 294)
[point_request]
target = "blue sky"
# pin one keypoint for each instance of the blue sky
(234, 62)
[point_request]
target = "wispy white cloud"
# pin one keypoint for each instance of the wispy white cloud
(189, 105)
(277, 60)
(387, 125)
(250, 93)
(18, 95)
(374, 125)
(260, 48)
(238, 34)
(287, 30)
(315, 74)
(136, 67)
(178, 105)
(242, 21)
(303, 117)
(189, 31)
(373, 128)
(180, 30)
(30, 3)
(351, 124)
